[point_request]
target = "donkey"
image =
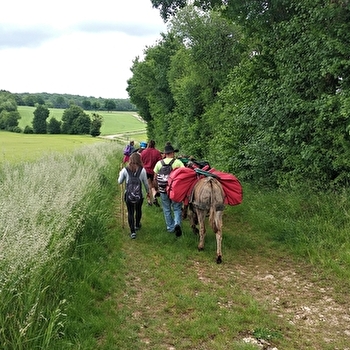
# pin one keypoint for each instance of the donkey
(207, 198)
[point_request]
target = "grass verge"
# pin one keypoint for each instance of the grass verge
(45, 207)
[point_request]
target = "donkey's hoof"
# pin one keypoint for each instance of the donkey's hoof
(200, 249)
(219, 259)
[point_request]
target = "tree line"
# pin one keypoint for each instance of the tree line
(261, 87)
(74, 119)
(63, 101)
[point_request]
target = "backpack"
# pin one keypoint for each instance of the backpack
(163, 174)
(133, 191)
(127, 150)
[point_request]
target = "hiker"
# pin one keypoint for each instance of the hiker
(134, 175)
(143, 146)
(162, 170)
(150, 157)
(128, 150)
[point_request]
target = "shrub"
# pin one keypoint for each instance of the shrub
(28, 130)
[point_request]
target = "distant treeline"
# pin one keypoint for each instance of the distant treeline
(65, 100)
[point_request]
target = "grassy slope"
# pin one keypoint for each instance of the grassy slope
(113, 122)
(19, 147)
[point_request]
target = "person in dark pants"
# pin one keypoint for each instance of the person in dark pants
(134, 207)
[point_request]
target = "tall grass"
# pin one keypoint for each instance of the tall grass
(44, 208)
(311, 225)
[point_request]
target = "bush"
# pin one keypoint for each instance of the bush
(16, 129)
(28, 130)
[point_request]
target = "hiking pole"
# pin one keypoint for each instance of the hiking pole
(122, 213)
(122, 204)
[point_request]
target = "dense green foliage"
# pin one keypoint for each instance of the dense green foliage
(41, 113)
(54, 126)
(261, 87)
(95, 126)
(75, 121)
(9, 115)
(65, 100)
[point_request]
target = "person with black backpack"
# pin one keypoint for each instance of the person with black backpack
(162, 170)
(134, 175)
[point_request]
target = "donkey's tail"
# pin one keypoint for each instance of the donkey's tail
(212, 217)
(216, 205)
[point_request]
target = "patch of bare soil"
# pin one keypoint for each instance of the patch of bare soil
(316, 311)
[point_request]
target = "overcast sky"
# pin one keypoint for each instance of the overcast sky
(76, 47)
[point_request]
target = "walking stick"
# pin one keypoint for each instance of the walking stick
(122, 204)
(122, 190)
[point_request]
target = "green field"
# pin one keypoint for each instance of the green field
(113, 122)
(22, 147)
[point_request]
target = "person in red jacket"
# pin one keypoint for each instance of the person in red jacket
(150, 157)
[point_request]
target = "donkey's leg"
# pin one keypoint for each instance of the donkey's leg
(201, 214)
(217, 228)
(184, 211)
(193, 219)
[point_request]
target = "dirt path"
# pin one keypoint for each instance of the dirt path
(122, 137)
(318, 315)
(300, 296)
(315, 309)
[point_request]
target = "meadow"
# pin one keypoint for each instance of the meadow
(113, 122)
(71, 278)
(21, 147)
(28, 147)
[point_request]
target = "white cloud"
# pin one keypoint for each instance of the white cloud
(74, 46)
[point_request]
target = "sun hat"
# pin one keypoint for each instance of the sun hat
(170, 149)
